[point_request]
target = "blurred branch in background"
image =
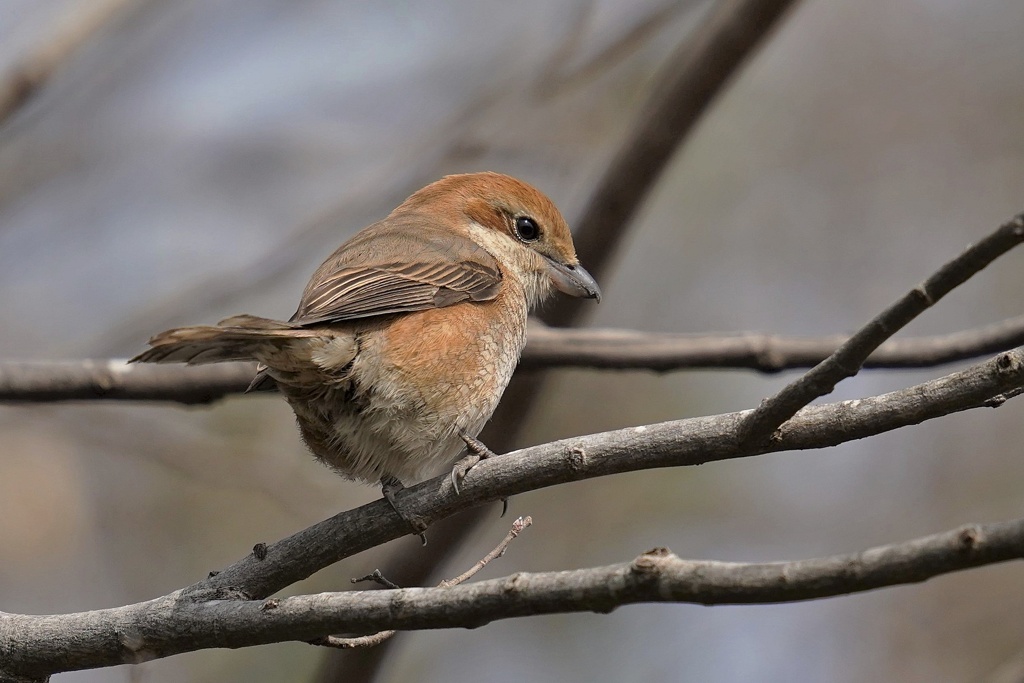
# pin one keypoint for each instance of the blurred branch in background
(45, 381)
(228, 610)
(767, 353)
(75, 29)
(548, 347)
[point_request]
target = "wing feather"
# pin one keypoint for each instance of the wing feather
(369, 277)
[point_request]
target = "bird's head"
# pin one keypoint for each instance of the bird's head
(519, 226)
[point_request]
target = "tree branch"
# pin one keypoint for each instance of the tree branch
(848, 358)
(197, 615)
(36, 646)
(548, 347)
(692, 441)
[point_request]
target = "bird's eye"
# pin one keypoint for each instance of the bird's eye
(527, 229)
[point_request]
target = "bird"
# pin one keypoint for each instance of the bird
(406, 336)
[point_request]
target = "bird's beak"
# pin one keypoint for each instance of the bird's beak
(573, 280)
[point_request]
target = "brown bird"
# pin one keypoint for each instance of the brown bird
(407, 335)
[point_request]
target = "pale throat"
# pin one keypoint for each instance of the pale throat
(531, 272)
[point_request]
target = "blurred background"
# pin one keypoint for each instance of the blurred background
(198, 160)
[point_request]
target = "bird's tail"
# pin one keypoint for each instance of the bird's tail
(242, 337)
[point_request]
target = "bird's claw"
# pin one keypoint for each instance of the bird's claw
(389, 486)
(477, 451)
(461, 469)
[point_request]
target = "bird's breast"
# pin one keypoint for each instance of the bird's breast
(454, 361)
(416, 383)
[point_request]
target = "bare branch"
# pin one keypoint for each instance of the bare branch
(379, 637)
(848, 358)
(222, 610)
(549, 347)
(677, 443)
(40, 645)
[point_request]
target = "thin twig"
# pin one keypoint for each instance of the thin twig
(344, 643)
(848, 358)
(377, 577)
(499, 550)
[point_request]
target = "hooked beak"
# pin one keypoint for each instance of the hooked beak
(573, 280)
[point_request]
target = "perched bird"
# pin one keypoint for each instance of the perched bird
(407, 335)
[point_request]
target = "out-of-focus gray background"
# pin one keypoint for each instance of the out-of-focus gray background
(198, 160)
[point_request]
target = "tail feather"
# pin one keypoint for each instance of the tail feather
(240, 338)
(254, 322)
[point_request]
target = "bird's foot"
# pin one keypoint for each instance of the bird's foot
(389, 486)
(476, 451)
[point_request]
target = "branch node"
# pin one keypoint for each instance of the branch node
(272, 603)
(518, 526)
(259, 551)
(769, 357)
(200, 593)
(511, 583)
(921, 292)
(577, 459)
(969, 538)
(1006, 364)
(650, 562)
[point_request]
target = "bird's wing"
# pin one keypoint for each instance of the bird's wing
(387, 270)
